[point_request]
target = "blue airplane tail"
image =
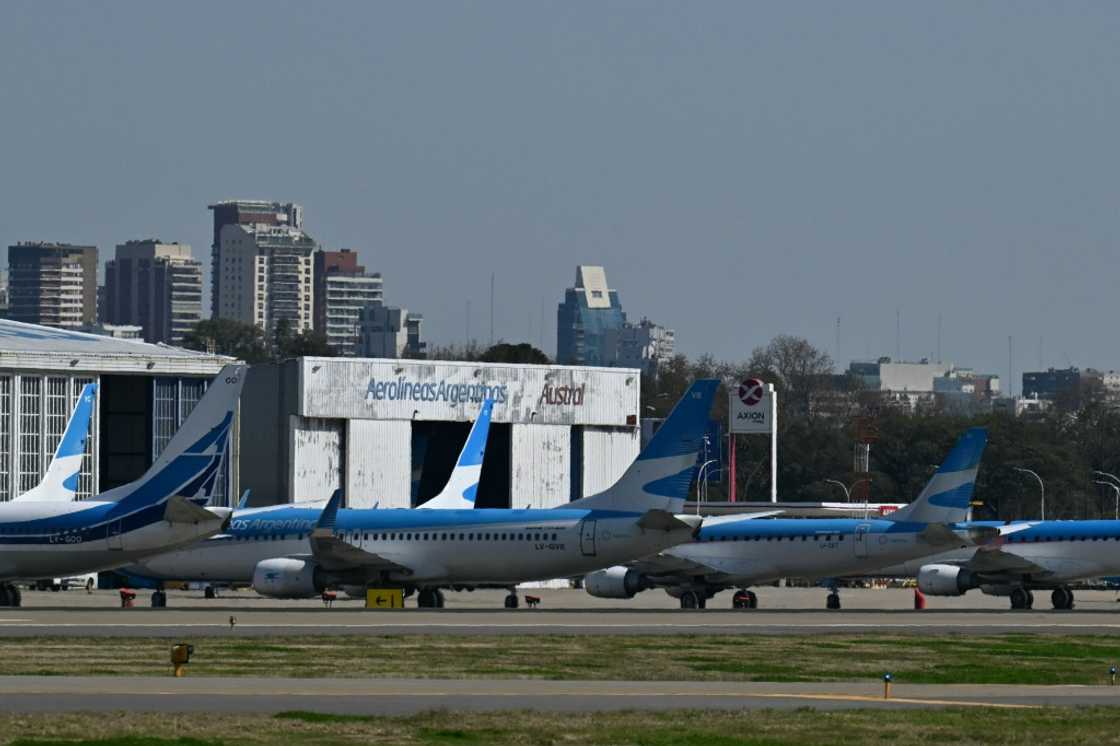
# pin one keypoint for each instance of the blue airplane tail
(189, 464)
(659, 479)
(948, 494)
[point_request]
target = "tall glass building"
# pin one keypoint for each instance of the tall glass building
(589, 320)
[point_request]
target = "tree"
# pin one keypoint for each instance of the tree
(795, 367)
(307, 343)
(228, 337)
(521, 354)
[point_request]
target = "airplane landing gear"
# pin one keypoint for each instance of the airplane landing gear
(832, 602)
(1021, 598)
(10, 595)
(1062, 598)
(429, 598)
(744, 599)
(693, 600)
(511, 600)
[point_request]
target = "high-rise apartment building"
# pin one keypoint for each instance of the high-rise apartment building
(342, 290)
(390, 332)
(590, 310)
(264, 276)
(644, 345)
(245, 212)
(54, 284)
(156, 286)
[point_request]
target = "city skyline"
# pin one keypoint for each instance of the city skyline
(743, 173)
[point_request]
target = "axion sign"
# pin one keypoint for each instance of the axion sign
(752, 407)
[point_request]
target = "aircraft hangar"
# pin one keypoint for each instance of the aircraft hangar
(389, 431)
(144, 392)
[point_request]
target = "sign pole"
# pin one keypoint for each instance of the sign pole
(731, 459)
(773, 444)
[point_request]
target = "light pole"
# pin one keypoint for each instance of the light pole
(841, 485)
(1114, 483)
(700, 491)
(1116, 489)
(1041, 487)
(848, 491)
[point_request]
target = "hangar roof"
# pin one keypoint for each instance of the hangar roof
(30, 346)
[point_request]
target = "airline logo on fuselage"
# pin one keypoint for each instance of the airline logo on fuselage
(265, 524)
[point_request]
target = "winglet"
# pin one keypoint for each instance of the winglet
(329, 517)
(244, 501)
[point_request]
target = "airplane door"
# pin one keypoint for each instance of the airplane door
(860, 540)
(116, 538)
(587, 537)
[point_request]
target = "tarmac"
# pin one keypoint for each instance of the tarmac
(408, 696)
(561, 611)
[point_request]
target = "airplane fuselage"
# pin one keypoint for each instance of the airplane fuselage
(43, 539)
(1063, 551)
(439, 547)
(746, 552)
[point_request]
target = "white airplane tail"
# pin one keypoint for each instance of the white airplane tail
(60, 483)
(659, 479)
(462, 485)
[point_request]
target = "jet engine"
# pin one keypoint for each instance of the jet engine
(287, 578)
(944, 580)
(614, 582)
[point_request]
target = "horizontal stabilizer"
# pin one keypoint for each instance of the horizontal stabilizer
(940, 535)
(660, 520)
(182, 510)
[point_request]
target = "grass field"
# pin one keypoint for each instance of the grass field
(1002, 659)
(680, 728)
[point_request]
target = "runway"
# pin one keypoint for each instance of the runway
(406, 696)
(76, 614)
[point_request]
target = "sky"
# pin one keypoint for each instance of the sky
(741, 169)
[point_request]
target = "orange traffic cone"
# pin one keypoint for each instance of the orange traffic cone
(919, 600)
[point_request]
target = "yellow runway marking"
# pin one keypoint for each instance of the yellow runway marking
(820, 697)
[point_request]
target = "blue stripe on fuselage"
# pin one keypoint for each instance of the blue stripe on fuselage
(1056, 530)
(790, 527)
(298, 520)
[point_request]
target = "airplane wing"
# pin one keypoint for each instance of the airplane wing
(668, 569)
(994, 561)
(336, 554)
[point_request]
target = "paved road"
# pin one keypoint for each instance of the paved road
(400, 696)
(789, 611)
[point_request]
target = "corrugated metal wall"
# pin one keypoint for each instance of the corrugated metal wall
(378, 463)
(316, 458)
(607, 452)
(540, 465)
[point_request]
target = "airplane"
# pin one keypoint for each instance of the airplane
(258, 534)
(1028, 556)
(428, 550)
(60, 482)
(739, 551)
(46, 538)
